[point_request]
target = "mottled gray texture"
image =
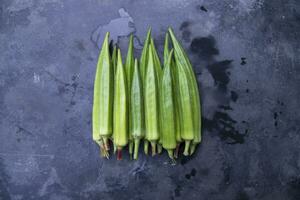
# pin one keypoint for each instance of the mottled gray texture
(246, 55)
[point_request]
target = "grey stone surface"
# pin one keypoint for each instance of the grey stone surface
(246, 56)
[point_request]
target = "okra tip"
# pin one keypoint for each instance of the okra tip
(149, 29)
(107, 35)
(153, 148)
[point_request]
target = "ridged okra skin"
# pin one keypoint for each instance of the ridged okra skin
(103, 96)
(166, 49)
(129, 66)
(178, 119)
(176, 93)
(137, 129)
(151, 100)
(144, 56)
(185, 65)
(157, 63)
(158, 70)
(143, 67)
(120, 114)
(168, 116)
(114, 59)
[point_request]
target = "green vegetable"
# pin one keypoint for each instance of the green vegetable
(176, 93)
(144, 56)
(168, 116)
(152, 103)
(114, 58)
(120, 108)
(114, 61)
(185, 67)
(166, 49)
(158, 70)
(129, 66)
(143, 67)
(137, 110)
(142, 100)
(103, 98)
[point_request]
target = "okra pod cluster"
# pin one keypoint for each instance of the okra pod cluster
(144, 100)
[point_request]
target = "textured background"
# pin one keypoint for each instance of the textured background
(246, 56)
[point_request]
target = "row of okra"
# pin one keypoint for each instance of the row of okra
(146, 100)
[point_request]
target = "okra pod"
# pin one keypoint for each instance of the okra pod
(114, 58)
(144, 56)
(166, 49)
(151, 100)
(120, 116)
(183, 61)
(157, 64)
(158, 69)
(176, 94)
(143, 67)
(114, 61)
(103, 96)
(137, 109)
(129, 66)
(168, 107)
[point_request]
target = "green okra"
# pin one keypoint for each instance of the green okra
(151, 100)
(166, 49)
(143, 67)
(186, 109)
(137, 129)
(114, 61)
(176, 93)
(120, 114)
(103, 97)
(129, 66)
(168, 116)
(178, 118)
(183, 62)
(144, 56)
(158, 70)
(114, 58)
(157, 64)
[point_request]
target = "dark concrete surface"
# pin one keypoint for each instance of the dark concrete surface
(246, 56)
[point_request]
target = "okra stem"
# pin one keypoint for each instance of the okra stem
(186, 147)
(153, 148)
(130, 148)
(106, 143)
(136, 148)
(159, 148)
(170, 153)
(146, 146)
